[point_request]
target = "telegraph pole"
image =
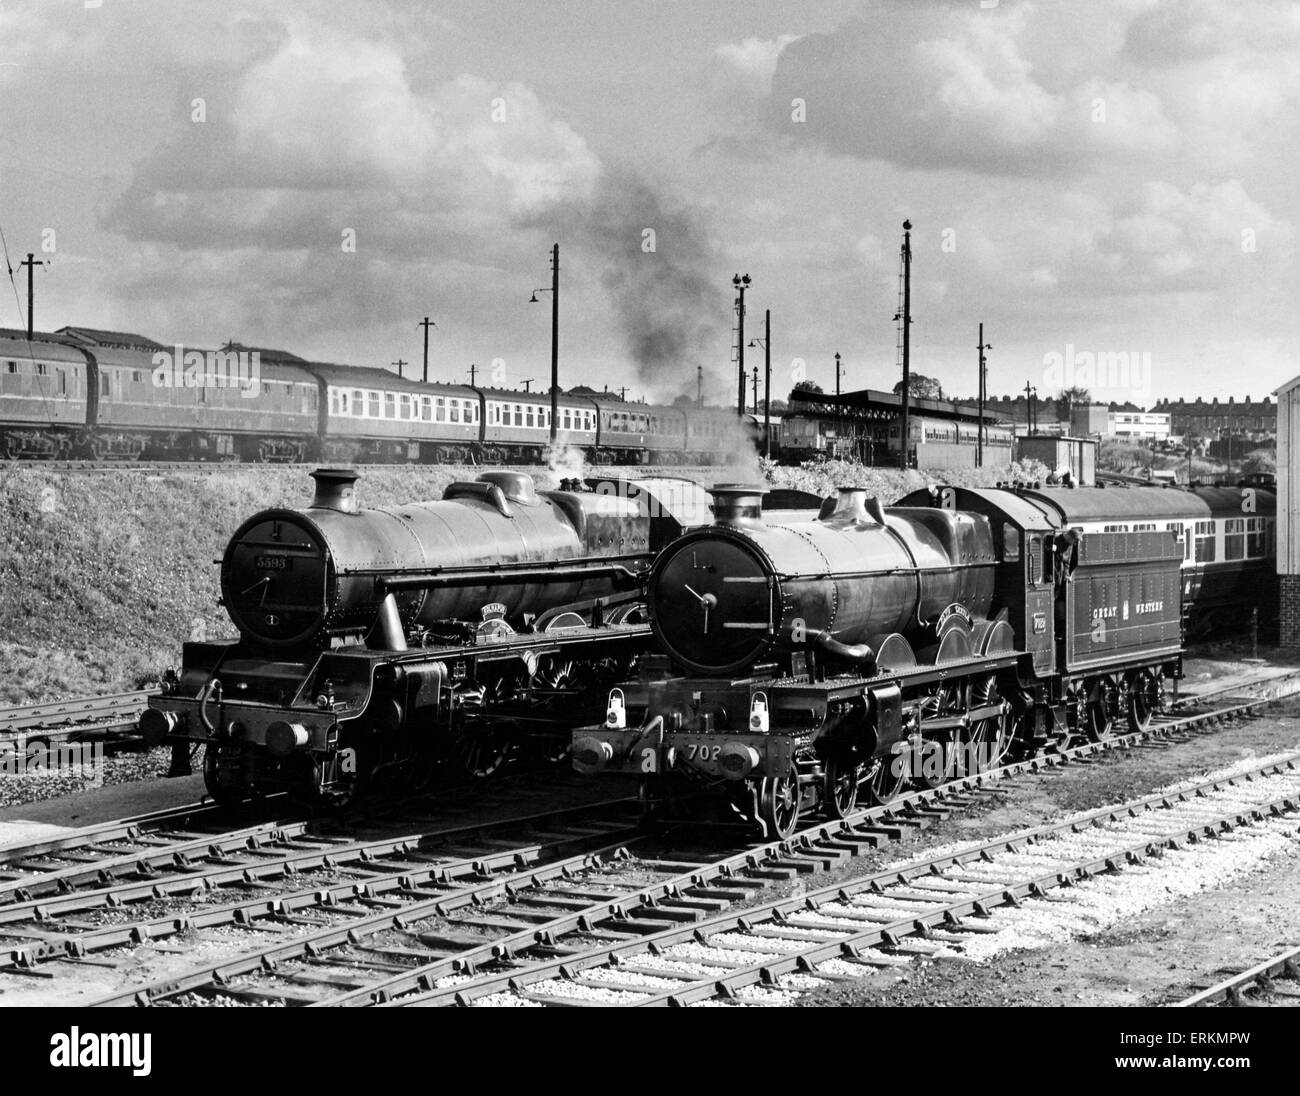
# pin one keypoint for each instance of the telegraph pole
(31, 264)
(399, 363)
(473, 374)
(528, 384)
(426, 323)
(754, 374)
(839, 411)
(741, 283)
(699, 386)
(907, 324)
(555, 341)
(979, 447)
(622, 393)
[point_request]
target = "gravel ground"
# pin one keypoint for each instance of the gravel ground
(117, 768)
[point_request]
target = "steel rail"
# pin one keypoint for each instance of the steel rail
(407, 881)
(850, 942)
(217, 976)
(1232, 990)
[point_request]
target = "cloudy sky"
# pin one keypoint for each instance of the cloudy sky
(1113, 176)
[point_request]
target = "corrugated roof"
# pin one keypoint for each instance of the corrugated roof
(94, 336)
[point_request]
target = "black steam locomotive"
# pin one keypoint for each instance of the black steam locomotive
(378, 643)
(804, 664)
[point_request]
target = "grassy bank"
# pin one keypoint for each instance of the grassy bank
(104, 575)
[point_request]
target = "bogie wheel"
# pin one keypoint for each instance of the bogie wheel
(779, 803)
(1143, 699)
(1097, 718)
(840, 784)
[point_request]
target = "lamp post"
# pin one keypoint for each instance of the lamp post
(740, 282)
(766, 343)
(554, 291)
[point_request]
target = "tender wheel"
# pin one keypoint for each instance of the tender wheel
(840, 785)
(779, 802)
(1143, 700)
(1097, 722)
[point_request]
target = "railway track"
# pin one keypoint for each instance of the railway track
(69, 904)
(840, 932)
(527, 927)
(75, 720)
(1274, 981)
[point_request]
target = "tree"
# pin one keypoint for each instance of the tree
(812, 388)
(684, 401)
(921, 387)
(1073, 397)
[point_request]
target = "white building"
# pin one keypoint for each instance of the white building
(1138, 424)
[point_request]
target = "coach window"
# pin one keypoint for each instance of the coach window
(528, 415)
(453, 406)
(1234, 538)
(1180, 535)
(1204, 547)
(568, 419)
(1256, 537)
(1010, 542)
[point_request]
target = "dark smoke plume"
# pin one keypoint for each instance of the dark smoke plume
(673, 312)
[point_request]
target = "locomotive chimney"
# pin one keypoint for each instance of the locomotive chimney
(335, 490)
(853, 506)
(737, 503)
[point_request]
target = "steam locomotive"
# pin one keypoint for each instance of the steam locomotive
(378, 644)
(804, 664)
(375, 643)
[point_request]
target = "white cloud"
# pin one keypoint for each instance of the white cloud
(753, 61)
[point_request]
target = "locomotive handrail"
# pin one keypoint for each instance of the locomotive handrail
(212, 685)
(497, 578)
(492, 568)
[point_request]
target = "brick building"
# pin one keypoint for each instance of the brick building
(1210, 418)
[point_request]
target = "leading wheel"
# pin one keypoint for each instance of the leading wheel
(840, 784)
(779, 802)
